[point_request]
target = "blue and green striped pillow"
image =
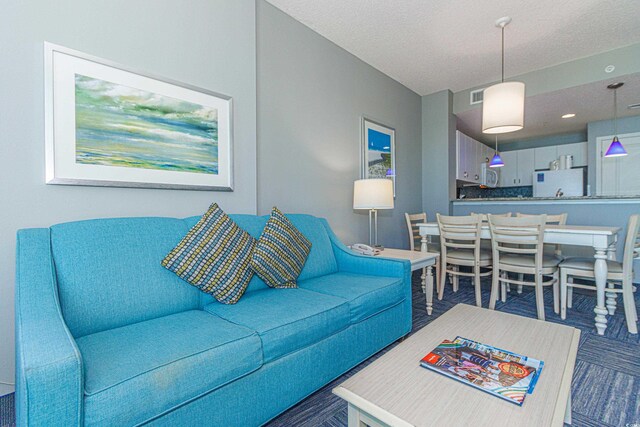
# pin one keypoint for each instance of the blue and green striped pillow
(281, 251)
(214, 256)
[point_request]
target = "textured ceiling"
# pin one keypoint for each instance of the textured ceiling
(431, 45)
(543, 113)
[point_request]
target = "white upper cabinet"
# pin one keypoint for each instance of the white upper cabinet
(469, 154)
(577, 150)
(525, 166)
(517, 169)
(545, 155)
(509, 172)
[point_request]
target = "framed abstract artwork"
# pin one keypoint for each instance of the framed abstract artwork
(378, 151)
(107, 125)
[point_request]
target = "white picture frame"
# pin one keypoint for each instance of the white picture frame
(109, 125)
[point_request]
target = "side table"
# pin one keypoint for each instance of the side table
(419, 260)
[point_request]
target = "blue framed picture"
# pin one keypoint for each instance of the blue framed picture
(378, 151)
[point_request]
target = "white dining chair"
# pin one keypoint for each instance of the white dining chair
(460, 247)
(549, 249)
(485, 217)
(415, 240)
(619, 273)
(518, 248)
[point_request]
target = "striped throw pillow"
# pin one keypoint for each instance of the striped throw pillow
(280, 253)
(214, 256)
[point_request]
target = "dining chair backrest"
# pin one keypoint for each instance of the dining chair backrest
(518, 236)
(460, 232)
(485, 218)
(631, 245)
(414, 231)
(559, 219)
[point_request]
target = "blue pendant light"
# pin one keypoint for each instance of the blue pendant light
(615, 148)
(496, 161)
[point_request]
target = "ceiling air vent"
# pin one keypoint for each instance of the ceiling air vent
(476, 96)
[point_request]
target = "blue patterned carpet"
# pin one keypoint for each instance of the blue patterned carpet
(606, 382)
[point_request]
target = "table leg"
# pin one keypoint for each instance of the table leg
(423, 280)
(424, 244)
(600, 270)
(567, 413)
(353, 416)
(429, 289)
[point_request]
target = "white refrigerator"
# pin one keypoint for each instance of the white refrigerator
(559, 183)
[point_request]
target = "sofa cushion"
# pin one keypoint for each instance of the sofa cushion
(367, 295)
(280, 253)
(287, 319)
(138, 371)
(214, 256)
(109, 274)
(321, 260)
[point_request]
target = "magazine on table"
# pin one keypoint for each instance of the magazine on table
(505, 374)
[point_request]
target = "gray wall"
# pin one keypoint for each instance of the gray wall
(207, 43)
(438, 153)
(605, 128)
(311, 96)
(606, 213)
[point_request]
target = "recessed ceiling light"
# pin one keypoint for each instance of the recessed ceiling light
(634, 106)
(568, 116)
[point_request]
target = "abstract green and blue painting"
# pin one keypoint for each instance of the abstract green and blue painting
(117, 125)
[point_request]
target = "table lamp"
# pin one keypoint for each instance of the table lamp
(373, 194)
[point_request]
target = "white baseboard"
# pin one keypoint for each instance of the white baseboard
(6, 389)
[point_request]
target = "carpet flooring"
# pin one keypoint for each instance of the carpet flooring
(606, 381)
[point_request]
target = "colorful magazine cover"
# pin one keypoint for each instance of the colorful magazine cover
(502, 373)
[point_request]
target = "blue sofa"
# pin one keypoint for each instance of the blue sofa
(106, 336)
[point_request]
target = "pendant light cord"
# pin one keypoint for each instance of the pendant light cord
(615, 112)
(503, 54)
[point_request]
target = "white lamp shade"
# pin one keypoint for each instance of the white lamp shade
(503, 108)
(373, 194)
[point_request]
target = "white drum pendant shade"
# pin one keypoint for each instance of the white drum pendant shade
(503, 108)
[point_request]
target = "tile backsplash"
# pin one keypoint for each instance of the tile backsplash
(475, 192)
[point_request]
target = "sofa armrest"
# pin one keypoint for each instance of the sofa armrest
(352, 262)
(49, 376)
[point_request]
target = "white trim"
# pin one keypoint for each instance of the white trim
(583, 201)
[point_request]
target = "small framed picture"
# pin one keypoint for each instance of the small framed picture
(108, 125)
(378, 151)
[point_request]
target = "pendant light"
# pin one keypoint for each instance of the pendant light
(496, 161)
(615, 148)
(503, 103)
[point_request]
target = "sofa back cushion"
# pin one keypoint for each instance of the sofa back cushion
(109, 272)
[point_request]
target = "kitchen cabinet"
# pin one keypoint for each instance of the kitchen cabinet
(517, 169)
(525, 166)
(469, 155)
(545, 155)
(577, 150)
(509, 172)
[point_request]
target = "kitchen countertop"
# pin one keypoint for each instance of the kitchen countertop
(591, 199)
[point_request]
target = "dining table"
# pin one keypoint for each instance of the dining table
(602, 239)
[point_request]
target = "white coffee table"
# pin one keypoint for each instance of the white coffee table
(396, 391)
(419, 260)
